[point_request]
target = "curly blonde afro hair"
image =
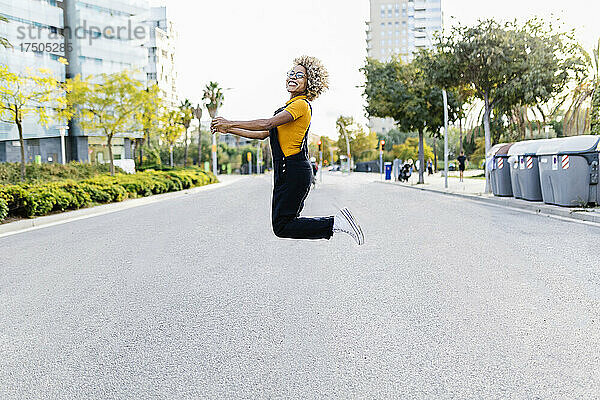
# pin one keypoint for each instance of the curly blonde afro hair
(317, 76)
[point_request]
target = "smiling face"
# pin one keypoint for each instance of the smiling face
(296, 86)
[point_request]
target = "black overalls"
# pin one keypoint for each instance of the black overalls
(292, 180)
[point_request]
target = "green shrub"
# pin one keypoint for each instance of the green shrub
(3, 209)
(36, 199)
(10, 173)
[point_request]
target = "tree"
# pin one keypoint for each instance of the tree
(515, 65)
(404, 92)
(186, 114)
(112, 106)
(354, 139)
(151, 107)
(29, 93)
(587, 89)
(410, 150)
(171, 129)
(3, 41)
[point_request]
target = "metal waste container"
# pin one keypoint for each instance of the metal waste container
(524, 169)
(388, 170)
(569, 171)
(500, 181)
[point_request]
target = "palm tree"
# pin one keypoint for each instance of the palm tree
(3, 41)
(187, 114)
(587, 90)
(213, 98)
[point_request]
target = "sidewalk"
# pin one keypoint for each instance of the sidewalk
(474, 189)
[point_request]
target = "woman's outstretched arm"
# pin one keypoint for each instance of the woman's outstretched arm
(221, 124)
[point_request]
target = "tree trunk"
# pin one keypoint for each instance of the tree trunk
(171, 155)
(460, 135)
(185, 151)
(421, 157)
(22, 142)
(141, 145)
(486, 128)
(110, 155)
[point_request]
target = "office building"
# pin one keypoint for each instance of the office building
(104, 37)
(32, 22)
(400, 28)
(160, 69)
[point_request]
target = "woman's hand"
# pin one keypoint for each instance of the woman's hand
(220, 125)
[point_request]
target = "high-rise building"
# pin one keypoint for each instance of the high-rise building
(400, 28)
(38, 22)
(161, 43)
(104, 36)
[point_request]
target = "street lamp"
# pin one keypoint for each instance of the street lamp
(198, 115)
(62, 129)
(445, 98)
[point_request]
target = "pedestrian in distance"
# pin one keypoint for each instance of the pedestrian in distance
(429, 167)
(461, 165)
(287, 131)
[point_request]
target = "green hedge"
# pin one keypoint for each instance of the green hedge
(30, 200)
(10, 173)
(3, 209)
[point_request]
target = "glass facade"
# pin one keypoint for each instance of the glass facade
(105, 37)
(31, 22)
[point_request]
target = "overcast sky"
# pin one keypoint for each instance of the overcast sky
(249, 45)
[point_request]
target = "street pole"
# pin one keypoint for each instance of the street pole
(258, 157)
(321, 165)
(214, 153)
(348, 151)
(445, 96)
(62, 130)
(381, 164)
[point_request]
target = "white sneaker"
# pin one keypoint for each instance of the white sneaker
(345, 222)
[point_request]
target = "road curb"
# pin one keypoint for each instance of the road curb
(575, 214)
(25, 225)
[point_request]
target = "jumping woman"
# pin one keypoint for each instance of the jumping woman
(288, 134)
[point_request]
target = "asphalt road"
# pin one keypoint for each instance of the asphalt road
(195, 297)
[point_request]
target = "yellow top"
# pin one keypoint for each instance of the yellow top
(291, 134)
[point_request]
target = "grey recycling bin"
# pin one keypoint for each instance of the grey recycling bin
(569, 171)
(524, 170)
(500, 181)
